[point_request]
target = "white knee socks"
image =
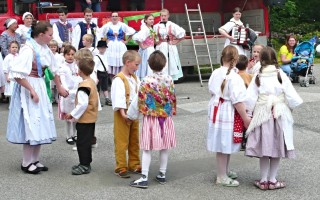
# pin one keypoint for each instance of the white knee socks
(264, 169)
(222, 163)
(27, 155)
(274, 166)
(164, 154)
(146, 160)
(71, 129)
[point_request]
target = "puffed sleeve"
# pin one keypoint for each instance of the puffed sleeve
(21, 66)
(118, 96)
(236, 88)
(5, 65)
(251, 96)
(227, 27)
(133, 111)
(291, 94)
(178, 31)
(127, 29)
(4, 44)
(76, 34)
(141, 35)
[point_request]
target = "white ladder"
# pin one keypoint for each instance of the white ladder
(198, 44)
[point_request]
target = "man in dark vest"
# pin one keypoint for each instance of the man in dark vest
(84, 27)
(62, 30)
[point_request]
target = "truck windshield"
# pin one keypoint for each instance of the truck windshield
(3, 6)
(22, 6)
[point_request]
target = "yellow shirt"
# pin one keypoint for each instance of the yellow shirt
(284, 51)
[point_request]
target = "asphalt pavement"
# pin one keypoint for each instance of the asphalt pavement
(191, 168)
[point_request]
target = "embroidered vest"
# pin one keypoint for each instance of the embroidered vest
(63, 31)
(110, 34)
(83, 28)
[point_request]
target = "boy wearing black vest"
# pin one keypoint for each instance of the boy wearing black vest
(85, 112)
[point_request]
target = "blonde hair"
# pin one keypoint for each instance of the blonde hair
(83, 54)
(88, 38)
(53, 43)
(229, 55)
(130, 55)
(165, 11)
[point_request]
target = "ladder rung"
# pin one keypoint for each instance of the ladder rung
(200, 44)
(193, 10)
(195, 21)
(202, 55)
(204, 67)
(198, 32)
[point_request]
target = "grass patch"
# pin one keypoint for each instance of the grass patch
(206, 70)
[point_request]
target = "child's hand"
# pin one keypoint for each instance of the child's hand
(128, 121)
(246, 122)
(7, 78)
(34, 96)
(68, 117)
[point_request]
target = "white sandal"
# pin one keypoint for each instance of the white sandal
(227, 182)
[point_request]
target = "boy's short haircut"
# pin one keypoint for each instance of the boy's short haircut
(242, 62)
(87, 10)
(62, 10)
(157, 61)
(69, 48)
(53, 43)
(83, 53)
(64, 44)
(130, 55)
(86, 65)
(88, 38)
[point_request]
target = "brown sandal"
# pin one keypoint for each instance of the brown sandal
(276, 185)
(261, 185)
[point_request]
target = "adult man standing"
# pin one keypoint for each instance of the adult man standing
(84, 27)
(62, 30)
(92, 4)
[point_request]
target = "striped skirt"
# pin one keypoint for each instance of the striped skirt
(157, 133)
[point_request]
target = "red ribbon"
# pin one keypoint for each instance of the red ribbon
(215, 109)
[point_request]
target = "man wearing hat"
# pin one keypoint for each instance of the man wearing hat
(101, 64)
(25, 28)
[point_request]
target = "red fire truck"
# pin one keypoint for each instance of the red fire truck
(214, 12)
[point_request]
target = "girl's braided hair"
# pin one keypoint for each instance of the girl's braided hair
(268, 56)
(229, 55)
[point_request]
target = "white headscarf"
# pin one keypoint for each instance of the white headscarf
(10, 22)
(26, 14)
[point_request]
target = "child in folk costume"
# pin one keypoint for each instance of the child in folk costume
(86, 54)
(86, 114)
(70, 79)
(53, 45)
(101, 64)
(225, 113)
(271, 97)
(115, 32)
(254, 64)
(226, 30)
(87, 41)
(126, 132)
(31, 120)
(13, 53)
(156, 100)
(169, 34)
(3, 98)
(145, 38)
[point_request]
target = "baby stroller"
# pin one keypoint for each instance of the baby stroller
(302, 64)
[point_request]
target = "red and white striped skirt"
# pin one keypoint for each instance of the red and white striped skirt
(156, 137)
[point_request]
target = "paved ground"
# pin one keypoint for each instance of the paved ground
(191, 169)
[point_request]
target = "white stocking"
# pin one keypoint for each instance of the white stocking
(264, 168)
(36, 153)
(71, 129)
(27, 155)
(146, 160)
(164, 154)
(274, 166)
(222, 162)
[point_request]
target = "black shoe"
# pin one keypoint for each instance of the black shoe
(108, 102)
(161, 178)
(26, 169)
(70, 141)
(44, 168)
